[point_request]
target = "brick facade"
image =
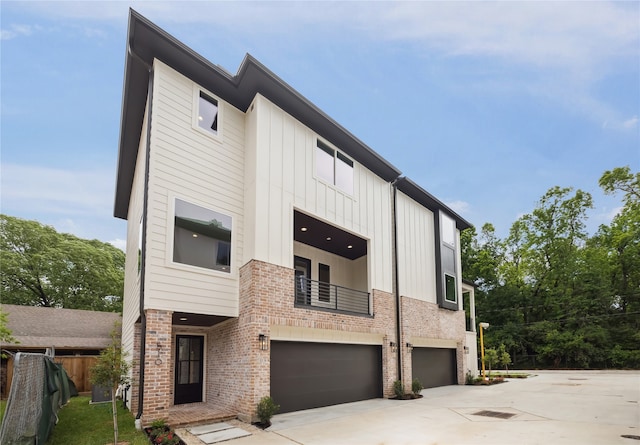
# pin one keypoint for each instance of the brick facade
(237, 372)
(427, 321)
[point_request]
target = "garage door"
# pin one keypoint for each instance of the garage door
(434, 366)
(310, 375)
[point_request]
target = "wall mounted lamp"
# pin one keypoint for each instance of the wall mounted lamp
(263, 341)
(409, 347)
(466, 349)
(394, 346)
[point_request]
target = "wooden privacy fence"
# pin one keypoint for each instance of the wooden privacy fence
(76, 366)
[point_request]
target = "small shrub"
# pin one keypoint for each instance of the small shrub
(266, 409)
(160, 433)
(469, 378)
(416, 387)
(398, 389)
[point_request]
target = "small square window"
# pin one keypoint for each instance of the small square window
(208, 113)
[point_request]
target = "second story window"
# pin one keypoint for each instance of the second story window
(448, 261)
(208, 113)
(201, 237)
(334, 167)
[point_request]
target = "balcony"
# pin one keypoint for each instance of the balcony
(317, 294)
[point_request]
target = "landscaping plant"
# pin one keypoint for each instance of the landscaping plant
(398, 389)
(111, 371)
(266, 409)
(416, 387)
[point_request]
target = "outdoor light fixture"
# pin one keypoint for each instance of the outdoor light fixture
(466, 349)
(409, 347)
(394, 346)
(482, 326)
(263, 341)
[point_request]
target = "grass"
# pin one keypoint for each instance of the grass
(84, 424)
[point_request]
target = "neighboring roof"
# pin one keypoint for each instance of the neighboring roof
(147, 42)
(44, 327)
(420, 195)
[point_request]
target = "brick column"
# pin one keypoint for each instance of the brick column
(158, 366)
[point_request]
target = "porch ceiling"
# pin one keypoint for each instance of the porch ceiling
(327, 237)
(188, 319)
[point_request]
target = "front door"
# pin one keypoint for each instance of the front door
(189, 366)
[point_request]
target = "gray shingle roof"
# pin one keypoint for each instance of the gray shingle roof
(43, 327)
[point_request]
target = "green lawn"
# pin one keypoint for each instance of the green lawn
(84, 424)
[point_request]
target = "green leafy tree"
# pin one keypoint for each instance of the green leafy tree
(504, 358)
(110, 371)
(41, 267)
(491, 359)
(5, 332)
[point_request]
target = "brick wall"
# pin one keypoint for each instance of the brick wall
(239, 372)
(428, 321)
(158, 372)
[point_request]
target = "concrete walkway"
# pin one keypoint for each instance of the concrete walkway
(553, 407)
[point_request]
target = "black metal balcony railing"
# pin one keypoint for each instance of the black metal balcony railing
(329, 296)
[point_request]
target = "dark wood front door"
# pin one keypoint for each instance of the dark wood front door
(189, 366)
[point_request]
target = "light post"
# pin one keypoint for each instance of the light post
(482, 326)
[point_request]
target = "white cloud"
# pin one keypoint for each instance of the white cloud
(16, 30)
(631, 123)
(119, 243)
(460, 207)
(66, 192)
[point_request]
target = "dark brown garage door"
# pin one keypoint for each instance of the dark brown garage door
(309, 375)
(434, 366)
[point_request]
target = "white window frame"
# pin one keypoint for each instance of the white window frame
(337, 155)
(230, 274)
(217, 136)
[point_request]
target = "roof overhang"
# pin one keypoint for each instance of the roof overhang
(146, 42)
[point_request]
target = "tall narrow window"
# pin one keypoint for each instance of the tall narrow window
(344, 173)
(324, 278)
(202, 237)
(324, 162)
(208, 113)
(447, 267)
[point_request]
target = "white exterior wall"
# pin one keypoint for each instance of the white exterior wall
(281, 160)
(344, 272)
(205, 170)
(131, 303)
(416, 250)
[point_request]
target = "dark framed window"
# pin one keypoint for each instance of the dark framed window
(208, 113)
(201, 237)
(447, 260)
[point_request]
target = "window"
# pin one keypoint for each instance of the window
(208, 113)
(334, 167)
(446, 267)
(324, 278)
(450, 288)
(201, 237)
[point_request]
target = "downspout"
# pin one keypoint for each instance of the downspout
(145, 201)
(395, 278)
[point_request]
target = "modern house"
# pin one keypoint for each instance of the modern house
(270, 251)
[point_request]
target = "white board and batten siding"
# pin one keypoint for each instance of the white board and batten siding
(416, 250)
(280, 177)
(202, 169)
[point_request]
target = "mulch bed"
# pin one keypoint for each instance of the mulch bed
(409, 396)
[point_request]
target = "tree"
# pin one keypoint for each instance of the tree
(111, 371)
(490, 359)
(41, 267)
(504, 359)
(5, 332)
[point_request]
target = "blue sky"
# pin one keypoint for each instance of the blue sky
(486, 105)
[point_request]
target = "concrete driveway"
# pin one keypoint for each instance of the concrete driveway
(552, 407)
